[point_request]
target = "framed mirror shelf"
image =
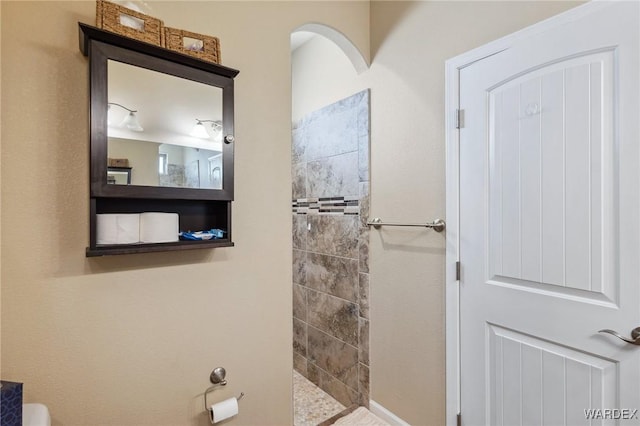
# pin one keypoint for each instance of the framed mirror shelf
(161, 142)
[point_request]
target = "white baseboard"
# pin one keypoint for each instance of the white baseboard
(386, 415)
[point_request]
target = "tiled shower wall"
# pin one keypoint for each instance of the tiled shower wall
(330, 164)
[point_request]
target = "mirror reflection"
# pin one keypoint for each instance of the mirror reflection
(162, 130)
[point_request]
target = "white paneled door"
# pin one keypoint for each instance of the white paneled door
(549, 226)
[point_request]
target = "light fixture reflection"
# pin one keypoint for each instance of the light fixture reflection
(200, 131)
(130, 121)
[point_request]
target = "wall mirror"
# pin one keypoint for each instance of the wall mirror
(167, 130)
(161, 142)
(166, 116)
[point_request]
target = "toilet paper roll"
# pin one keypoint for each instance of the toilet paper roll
(158, 227)
(223, 410)
(117, 228)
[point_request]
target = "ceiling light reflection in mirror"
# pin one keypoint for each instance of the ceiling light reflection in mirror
(166, 108)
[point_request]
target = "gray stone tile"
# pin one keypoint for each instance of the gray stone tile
(332, 355)
(363, 249)
(364, 202)
(337, 276)
(299, 231)
(299, 302)
(364, 341)
(363, 112)
(334, 316)
(333, 235)
(330, 154)
(332, 130)
(343, 393)
(350, 377)
(300, 364)
(298, 145)
(300, 337)
(363, 158)
(299, 181)
(299, 267)
(364, 132)
(363, 295)
(333, 176)
(363, 385)
(313, 372)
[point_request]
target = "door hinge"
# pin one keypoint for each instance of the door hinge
(459, 118)
(459, 419)
(457, 271)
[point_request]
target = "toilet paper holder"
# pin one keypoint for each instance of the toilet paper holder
(208, 407)
(217, 377)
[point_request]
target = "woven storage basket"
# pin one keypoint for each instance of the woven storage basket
(122, 20)
(201, 46)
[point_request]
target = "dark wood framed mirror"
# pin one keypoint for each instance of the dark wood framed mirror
(167, 118)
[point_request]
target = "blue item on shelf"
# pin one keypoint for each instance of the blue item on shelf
(202, 235)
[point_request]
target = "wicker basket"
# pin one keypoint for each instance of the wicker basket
(201, 46)
(129, 23)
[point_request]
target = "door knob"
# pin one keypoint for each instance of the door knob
(635, 335)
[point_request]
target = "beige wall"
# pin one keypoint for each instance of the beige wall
(132, 339)
(410, 42)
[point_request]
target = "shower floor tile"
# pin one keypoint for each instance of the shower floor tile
(311, 405)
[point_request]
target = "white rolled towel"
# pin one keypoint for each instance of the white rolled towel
(159, 227)
(117, 228)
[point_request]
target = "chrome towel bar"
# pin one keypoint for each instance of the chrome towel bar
(437, 225)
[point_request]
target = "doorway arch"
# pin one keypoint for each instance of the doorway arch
(356, 58)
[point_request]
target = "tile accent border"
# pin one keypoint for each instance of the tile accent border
(349, 205)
